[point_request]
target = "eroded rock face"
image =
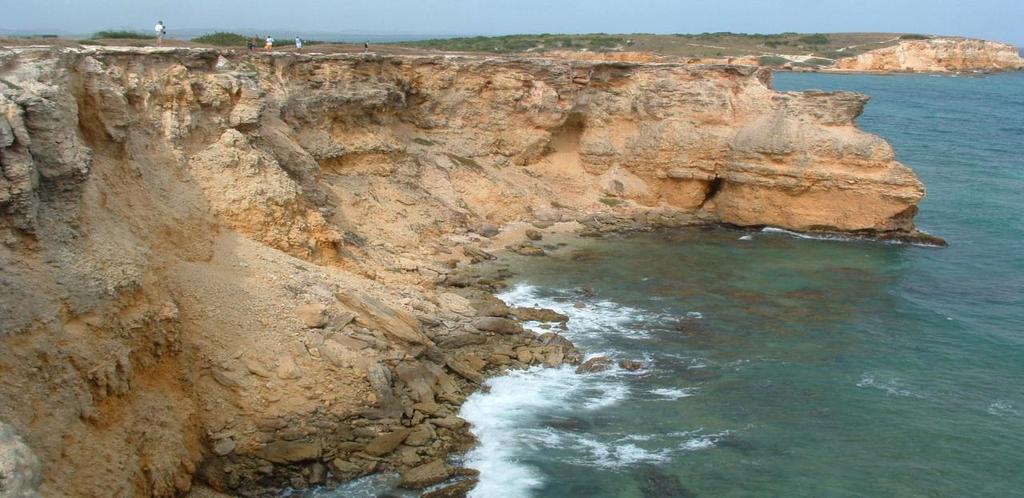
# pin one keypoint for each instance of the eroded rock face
(227, 267)
(938, 55)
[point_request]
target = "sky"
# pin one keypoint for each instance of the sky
(1000, 20)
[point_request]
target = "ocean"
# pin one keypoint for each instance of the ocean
(780, 365)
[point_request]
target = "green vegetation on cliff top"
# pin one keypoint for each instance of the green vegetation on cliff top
(221, 39)
(121, 35)
(721, 44)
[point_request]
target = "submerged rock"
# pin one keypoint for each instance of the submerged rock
(526, 248)
(457, 490)
(595, 365)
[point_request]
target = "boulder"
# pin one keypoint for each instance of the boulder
(286, 452)
(594, 365)
(455, 303)
(492, 307)
(539, 315)
(461, 340)
(488, 230)
(418, 379)
(526, 248)
(312, 315)
(452, 423)
(287, 369)
(386, 443)
(477, 255)
(224, 447)
(631, 365)
(533, 234)
(344, 468)
(460, 489)
(421, 435)
(425, 475)
(497, 324)
(376, 315)
(464, 369)
(553, 339)
(317, 473)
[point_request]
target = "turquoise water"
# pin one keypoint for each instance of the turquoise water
(781, 366)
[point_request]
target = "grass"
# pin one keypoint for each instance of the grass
(122, 35)
(816, 39)
(612, 202)
(523, 43)
(720, 44)
(222, 39)
(423, 141)
(773, 60)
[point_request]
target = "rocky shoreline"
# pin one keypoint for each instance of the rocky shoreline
(247, 271)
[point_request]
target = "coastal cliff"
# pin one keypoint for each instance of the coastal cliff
(937, 55)
(251, 271)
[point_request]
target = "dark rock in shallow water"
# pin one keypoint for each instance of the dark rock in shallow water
(631, 365)
(700, 374)
(526, 248)
(741, 445)
(594, 365)
(656, 483)
(690, 326)
(457, 490)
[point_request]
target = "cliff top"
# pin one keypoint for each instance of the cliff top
(786, 50)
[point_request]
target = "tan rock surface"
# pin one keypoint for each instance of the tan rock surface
(937, 55)
(164, 214)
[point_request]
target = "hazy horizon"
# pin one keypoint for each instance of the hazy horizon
(989, 19)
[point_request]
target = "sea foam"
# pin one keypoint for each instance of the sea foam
(505, 417)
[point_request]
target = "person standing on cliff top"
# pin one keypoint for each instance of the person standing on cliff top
(161, 31)
(269, 46)
(298, 44)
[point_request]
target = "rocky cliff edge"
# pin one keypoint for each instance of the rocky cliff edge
(937, 55)
(246, 270)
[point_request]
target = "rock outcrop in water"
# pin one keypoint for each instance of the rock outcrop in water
(937, 55)
(238, 269)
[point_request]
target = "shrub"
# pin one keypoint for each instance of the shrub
(912, 36)
(773, 61)
(221, 39)
(818, 39)
(122, 35)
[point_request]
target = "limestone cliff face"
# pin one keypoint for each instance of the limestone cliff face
(938, 55)
(238, 268)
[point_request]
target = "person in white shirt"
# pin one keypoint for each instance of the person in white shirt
(269, 46)
(298, 44)
(161, 30)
